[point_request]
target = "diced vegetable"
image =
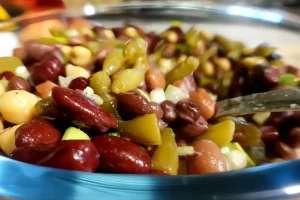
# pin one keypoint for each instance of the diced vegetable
(175, 94)
(143, 130)
(165, 157)
(73, 133)
(221, 133)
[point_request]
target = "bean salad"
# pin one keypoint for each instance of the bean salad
(85, 97)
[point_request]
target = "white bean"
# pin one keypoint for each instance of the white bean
(17, 106)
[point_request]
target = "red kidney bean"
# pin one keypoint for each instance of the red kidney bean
(271, 76)
(294, 137)
(121, 156)
(48, 69)
(293, 70)
(118, 31)
(187, 111)
(169, 111)
(79, 155)
(18, 83)
(79, 83)
(6, 75)
(35, 51)
(269, 134)
(158, 172)
(81, 110)
(179, 32)
(38, 131)
(284, 151)
(207, 159)
(132, 104)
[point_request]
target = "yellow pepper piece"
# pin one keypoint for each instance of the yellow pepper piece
(165, 157)
(143, 130)
(221, 133)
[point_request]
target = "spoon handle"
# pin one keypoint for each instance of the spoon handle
(273, 101)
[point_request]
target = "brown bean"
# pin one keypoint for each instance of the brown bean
(18, 83)
(269, 134)
(207, 159)
(132, 104)
(155, 79)
(170, 50)
(169, 111)
(190, 130)
(187, 84)
(204, 103)
(18, 52)
(181, 143)
(187, 111)
(239, 136)
(294, 137)
(285, 151)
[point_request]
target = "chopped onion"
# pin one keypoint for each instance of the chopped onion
(175, 94)
(157, 95)
(89, 92)
(186, 150)
(22, 72)
(65, 81)
(236, 159)
(260, 118)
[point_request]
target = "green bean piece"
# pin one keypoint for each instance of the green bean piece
(127, 80)
(234, 55)
(86, 31)
(93, 46)
(277, 63)
(141, 63)
(53, 40)
(264, 51)
(192, 39)
(251, 62)
(58, 32)
(288, 79)
(134, 49)
(110, 104)
(212, 51)
(46, 108)
(113, 61)
(100, 82)
(4, 83)
(10, 64)
(183, 69)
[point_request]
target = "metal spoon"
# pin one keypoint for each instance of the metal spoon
(273, 101)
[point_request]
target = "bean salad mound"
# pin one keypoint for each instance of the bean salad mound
(84, 97)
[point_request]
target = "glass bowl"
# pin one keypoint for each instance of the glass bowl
(248, 24)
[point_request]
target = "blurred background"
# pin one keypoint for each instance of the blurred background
(18, 7)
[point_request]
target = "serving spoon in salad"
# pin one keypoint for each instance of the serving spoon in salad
(272, 101)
